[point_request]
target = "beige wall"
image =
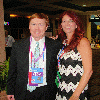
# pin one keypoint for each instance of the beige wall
(2, 34)
(88, 28)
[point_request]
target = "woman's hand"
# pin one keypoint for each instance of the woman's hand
(54, 37)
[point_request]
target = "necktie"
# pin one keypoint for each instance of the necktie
(36, 55)
(36, 65)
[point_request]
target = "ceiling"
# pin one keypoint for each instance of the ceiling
(51, 7)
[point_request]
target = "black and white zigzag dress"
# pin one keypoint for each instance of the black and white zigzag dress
(70, 71)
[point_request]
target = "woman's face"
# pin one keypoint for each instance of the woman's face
(68, 25)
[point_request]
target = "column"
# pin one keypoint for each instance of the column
(2, 33)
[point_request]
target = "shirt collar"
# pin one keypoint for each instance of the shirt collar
(40, 41)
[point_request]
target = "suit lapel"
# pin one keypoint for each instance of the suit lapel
(48, 54)
(26, 55)
(26, 46)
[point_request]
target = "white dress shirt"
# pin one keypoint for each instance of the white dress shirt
(9, 41)
(42, 64)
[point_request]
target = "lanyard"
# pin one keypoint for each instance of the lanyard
(60, 55)
(35, 60)
(58, 77)
(32, 56)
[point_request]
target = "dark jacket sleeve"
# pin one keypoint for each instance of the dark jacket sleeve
(12, 73)
(58, 46)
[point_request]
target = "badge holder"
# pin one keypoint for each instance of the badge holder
(36, 77)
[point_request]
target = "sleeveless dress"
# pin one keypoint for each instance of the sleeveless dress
(69, 75)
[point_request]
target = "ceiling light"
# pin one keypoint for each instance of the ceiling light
(13, 15)
(84, 5)
(28, 16)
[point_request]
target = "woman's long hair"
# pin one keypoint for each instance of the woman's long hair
(79, 31)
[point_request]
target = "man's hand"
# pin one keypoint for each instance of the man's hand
(10, 97)
(54, 37)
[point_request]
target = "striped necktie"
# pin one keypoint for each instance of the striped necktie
(36, 55)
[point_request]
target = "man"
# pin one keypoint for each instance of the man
(9, 40)
(32, 68)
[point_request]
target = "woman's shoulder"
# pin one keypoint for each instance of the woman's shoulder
(84, 42)
(84, 45)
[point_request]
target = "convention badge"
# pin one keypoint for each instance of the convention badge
(36, 77)
(30, 80)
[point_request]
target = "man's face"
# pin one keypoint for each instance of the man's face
(37, 28)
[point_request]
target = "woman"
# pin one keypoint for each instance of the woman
(74, 60)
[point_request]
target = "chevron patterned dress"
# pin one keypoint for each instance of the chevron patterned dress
(71, 71)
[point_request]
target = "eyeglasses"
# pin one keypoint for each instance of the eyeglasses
(40, 24)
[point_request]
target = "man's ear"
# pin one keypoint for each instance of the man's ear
(76, 26)
(29, 26)
(46, 27)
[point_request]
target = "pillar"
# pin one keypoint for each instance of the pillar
(2, 33)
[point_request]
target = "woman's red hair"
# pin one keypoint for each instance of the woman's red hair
(79, 31)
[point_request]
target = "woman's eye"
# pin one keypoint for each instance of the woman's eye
(63, 21)
(71, 20)
(33, 24)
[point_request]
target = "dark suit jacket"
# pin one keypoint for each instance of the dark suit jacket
(19, 65)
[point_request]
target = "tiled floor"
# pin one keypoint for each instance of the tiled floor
(94, 82)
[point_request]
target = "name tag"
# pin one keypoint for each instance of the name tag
(36, 77)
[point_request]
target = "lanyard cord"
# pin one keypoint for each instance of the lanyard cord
(42, 54)
(32, 56)
(59, 55)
